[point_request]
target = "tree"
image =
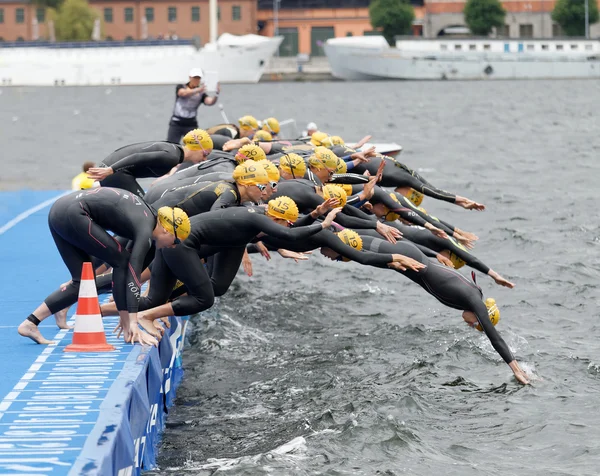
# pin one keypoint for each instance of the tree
(394, 17)
(48, 3)
(483, 15)
(75, 21)
(570, 15)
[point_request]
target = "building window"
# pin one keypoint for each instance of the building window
(526, 30)
(40, 14)
(195, 14)
(588, 47)
(458, 47)
(109, 38)
(219, 13)
(172, 14)
(108, 18)
(20, 15)
(149, 14)
(20, 38)
(502, 30)
(574, 47)
(1, 15)
(557, 30)
(348, 33)
(487, 47)
(559, 47)
(129, 15)
(236, 12)
(545, 47)
(472, 47)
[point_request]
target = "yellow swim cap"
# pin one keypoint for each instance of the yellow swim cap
(318, 137)
(389, 215)
(284, 208)
(351, 238)
(323, 158)
(415, 197)
(293, 164)
(342, 167)
(175, 221)
(250, 152)
(334, 191)
(262, 136)
(271, 125)
(198, 139)
(337, 140)
(272, 171)
(250, 173)
(493, 313)
(248, 123)
(456, 261)
(347, 188)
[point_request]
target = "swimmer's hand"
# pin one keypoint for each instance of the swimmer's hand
(402, 263)
(330, 217)
(99, 173)
(519, 374)
(388, 232)
(294, 255)
(445, 261)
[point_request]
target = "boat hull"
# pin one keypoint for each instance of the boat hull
(132, 65)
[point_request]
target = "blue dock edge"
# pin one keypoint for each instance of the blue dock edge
(72, 413)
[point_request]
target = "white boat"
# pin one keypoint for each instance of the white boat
(371, 57)
(236, 59)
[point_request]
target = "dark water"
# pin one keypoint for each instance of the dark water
(322, 368)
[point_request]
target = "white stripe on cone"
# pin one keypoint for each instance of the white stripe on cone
(88, 323)
(87, 288)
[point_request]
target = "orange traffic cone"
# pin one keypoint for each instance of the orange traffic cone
(89, 332)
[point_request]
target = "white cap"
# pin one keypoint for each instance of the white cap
(196, 72)
(311, 126)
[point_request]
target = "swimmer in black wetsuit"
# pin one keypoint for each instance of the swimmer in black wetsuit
(445, 284)
(226, 231)
(79, 222)
(398, 175)
(149, 159)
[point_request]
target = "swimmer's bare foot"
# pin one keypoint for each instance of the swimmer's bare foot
(148, 326)
(29, 329)
(61, 319)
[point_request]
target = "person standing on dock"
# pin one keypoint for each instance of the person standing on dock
(188, 99)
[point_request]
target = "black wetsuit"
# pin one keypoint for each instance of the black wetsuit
(79, 222)
(295, 146)
(396, 174)
(219, 164)
(304, 194)
(447, 285)
(144, 159)
(226, 232)
(200, 197)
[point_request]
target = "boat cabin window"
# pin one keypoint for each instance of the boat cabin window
(588, 47)
(472, 47)
(530, 47)
(486, 47)
(574, 47)
(458, 47)
(443, 47)
(559, 47)
(544, 47)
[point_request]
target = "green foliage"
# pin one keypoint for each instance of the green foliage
(483, 15)
(48, 3)
(570, 15)
(394, 17)
(75, 21)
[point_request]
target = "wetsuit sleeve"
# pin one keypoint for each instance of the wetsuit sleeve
(329, 240)
(226, 199)
(141, 246)
(493, 335)
(268, 226)
(304, 220)
(426, 251)
(159, 159)
(405, 213)
(352, 217)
